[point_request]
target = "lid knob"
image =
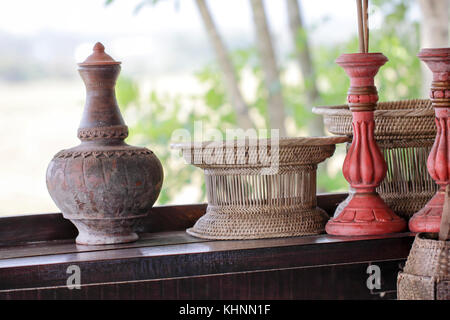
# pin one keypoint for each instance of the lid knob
(99, 57)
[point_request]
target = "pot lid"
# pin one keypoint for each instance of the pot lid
(99, 57)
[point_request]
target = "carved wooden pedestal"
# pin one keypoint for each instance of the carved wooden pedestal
(438, 60)
(364, 166)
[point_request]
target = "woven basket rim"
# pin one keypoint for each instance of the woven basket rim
(432, 238)
(384, 109)
(283, 142)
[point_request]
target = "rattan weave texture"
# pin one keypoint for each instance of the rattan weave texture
(260, 188)
(426, 275)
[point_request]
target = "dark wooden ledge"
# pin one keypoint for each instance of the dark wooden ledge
(167, 263)
(52, 226)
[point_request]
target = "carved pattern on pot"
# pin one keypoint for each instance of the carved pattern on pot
(103, 154)
(113, 132)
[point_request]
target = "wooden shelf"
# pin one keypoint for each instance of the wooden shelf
(170, 264)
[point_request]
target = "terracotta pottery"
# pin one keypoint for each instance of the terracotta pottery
(364, 166)
(438, 60)
(104, 186)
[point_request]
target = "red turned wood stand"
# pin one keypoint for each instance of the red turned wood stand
(364, 166)
(438, 60)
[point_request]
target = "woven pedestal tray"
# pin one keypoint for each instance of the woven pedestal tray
(259, 188)
(426, 275)
(404, 131)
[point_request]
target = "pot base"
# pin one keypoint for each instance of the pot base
(99, 239)
(105, 231)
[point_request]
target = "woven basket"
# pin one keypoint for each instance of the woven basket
(405, 132)
(249, 198)
(426, 275)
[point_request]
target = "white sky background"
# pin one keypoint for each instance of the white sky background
(84, 16)
(143, 33)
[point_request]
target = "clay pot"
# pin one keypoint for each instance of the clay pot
(104, 186)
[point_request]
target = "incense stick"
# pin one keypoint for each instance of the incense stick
(360, 27)
(366, 25)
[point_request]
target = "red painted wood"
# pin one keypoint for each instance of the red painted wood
(364, 166)
(428, 219)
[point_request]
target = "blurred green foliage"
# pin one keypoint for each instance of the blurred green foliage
(159, 114)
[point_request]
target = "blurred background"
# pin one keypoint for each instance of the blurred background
(235, 63)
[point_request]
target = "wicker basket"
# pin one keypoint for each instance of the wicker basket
(405, 132)
(426, 275)
(249, 198)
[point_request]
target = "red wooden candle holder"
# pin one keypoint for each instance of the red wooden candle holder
(438, 60)
(364, 166)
